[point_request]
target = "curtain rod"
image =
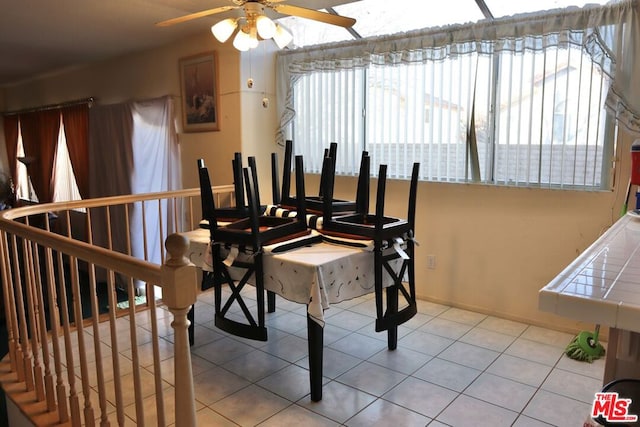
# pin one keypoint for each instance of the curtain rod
(89, 101)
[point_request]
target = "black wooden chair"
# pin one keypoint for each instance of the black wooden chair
(247, 236)
(315, 204)
(239, 208)
(393, 239)
(212, 214)
(208, 206)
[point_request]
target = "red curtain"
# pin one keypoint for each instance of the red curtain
(40, 137)
(76, 129)
(11, 140)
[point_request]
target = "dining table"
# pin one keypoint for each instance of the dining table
(318, 275)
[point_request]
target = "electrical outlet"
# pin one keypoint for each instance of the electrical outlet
(431, 262)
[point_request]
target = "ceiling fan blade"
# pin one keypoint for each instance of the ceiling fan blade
(302, 12)
(196, 15)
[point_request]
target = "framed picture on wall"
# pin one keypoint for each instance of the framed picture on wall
(199, 86)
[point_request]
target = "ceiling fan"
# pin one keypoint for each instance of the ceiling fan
(256, 24)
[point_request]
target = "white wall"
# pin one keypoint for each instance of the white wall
(147, 75)
(259, 124)
(495, 247)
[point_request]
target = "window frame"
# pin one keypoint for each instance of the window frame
(602, 178)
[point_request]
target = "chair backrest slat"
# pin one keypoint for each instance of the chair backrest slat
(206, 194)
(237, 180)
(254, 204)
(331, 152)
(380, 195)
(300, 189)
(413, 190)
(286, 172)
(362, 191)
(275, 186)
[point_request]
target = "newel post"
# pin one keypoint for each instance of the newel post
(179, 292)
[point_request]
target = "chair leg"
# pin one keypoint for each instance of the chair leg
(378, 274)
(392, 309)
(250, 329)
(315, 341)
(390, 317)
(271, 302)
(192, 325)
(208, 280)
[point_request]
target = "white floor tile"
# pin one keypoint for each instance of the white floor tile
(295, 416)
(547, 336)
(371, 378)
(467, 411)
(339, 402)
(504, 326)
(425, 343)
(522, 370)
(556, 409)
(250, 406)
(216, 384)
(421, 396)
(452, 367)
(255, 365)
(535, 351)
(292, 382)
(445, 328)
(469, 355)
(594, 369)
(487, 339)
(406, 361)
(447, 374)
(576, 386)
(501, 391)
(358, 345)
(222, 350)
(383, 414)
(290, 348)
(334, 362)
(463, 316)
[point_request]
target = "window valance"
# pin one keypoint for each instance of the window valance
(610, 34)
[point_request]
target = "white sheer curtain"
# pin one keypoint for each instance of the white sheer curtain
(133, 148)
(156, 168)
(609, 34)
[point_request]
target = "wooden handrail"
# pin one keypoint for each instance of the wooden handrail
(102, 257)
(22, 263)
(43, 208)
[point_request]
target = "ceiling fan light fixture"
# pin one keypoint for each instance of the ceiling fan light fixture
(242, 41)
(255, 25)
(266, 27)
(282, 37)
(253, 40)
(224, 29)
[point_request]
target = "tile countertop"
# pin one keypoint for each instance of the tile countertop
(602, 285)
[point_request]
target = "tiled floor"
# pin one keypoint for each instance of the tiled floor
(452, 368)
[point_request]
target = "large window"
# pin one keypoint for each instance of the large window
(538, 118)
(497, 103)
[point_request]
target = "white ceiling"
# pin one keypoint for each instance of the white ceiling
(44, 36)
(38, 37)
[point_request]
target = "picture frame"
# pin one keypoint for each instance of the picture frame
(199, 87)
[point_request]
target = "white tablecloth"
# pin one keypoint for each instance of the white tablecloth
(317, 275)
